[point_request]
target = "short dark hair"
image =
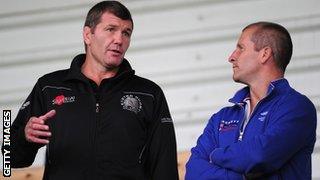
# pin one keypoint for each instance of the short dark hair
(276, 37)
(114, 7)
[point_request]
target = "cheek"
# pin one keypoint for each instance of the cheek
(96, 42)
(126, 44)
(102, 40)
(252, 63)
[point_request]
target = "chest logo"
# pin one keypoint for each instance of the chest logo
(228, 125)
(263, 116)
(61, 99)
(131, 103)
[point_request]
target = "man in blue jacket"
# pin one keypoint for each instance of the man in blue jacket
(270, 130)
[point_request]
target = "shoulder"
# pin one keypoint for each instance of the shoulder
(55, 77)
(295, 99)
(145, 84)
(293, 104)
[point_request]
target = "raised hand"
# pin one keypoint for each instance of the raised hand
(36, 130)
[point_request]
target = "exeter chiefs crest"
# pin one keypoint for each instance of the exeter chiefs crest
(131, 103)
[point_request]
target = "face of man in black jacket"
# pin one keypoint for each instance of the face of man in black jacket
(107, 44)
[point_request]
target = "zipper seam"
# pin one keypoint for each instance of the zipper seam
(141, 153)
(241, 132)
(94, 129)
(240, 128)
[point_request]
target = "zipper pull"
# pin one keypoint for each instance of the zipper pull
(240, 136)
(97, 107)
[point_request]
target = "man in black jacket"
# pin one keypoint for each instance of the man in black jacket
(97, 119)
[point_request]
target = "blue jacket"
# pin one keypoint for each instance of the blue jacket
(277, 142)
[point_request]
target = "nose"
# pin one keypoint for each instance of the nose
(118, 38)
(232, 57)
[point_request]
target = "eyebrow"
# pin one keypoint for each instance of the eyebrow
(114, 26)
(239, 45)
(129, 29)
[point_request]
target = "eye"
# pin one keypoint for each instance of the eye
(241, 48)
(126, 33)
(110, 29)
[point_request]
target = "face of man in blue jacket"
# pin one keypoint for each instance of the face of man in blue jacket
(245, 59)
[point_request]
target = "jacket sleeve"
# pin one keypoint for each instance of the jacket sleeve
(199, 165)
(291, 127)
(22, 151)
(162, 156)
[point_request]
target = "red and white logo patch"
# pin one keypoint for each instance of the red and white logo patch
(61, 99)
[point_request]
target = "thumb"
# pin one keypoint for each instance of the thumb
(48, 115)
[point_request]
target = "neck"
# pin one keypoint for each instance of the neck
(256, 94)
(97, 73)
(259, 89)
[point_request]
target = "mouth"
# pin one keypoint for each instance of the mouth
(116, 52)
(235, 68)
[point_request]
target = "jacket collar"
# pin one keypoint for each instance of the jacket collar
(275, 86)
(76, 74)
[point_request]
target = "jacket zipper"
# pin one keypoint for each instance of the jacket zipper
(141, 153)
(94, 133)
(97, 107)
(242, 129)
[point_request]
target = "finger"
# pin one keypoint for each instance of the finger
(39, 127)
(44, 134)
(35, 120)
(38, 140)
(48, 115)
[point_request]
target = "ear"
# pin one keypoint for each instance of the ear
(87, 35)
(266, 54)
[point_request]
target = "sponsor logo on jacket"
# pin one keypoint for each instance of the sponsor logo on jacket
(166, 120)
(131, 103)
(263, 116)
(24, 105)
(227, 125)
(61, 99)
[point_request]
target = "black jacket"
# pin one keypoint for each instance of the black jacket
(121, 129)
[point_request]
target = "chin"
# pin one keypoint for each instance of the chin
(236, 79)
(113, 65)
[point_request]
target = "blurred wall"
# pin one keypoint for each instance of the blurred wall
(183, 45)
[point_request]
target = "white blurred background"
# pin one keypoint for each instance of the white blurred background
(182, 45)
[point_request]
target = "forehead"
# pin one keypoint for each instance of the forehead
(110, 19)
(246, 35)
